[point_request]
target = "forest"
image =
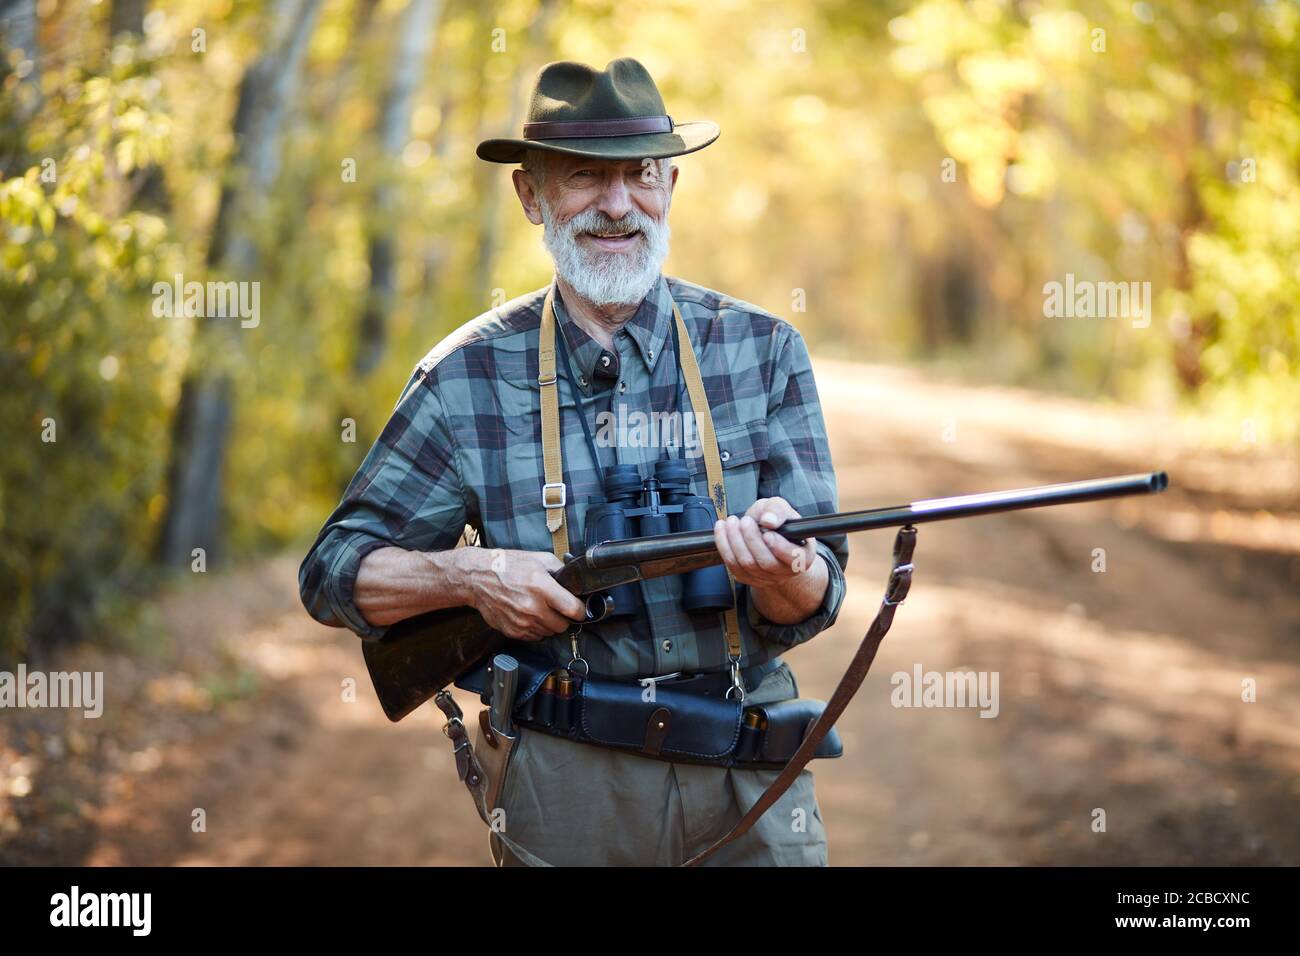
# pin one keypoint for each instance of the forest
(910, 182)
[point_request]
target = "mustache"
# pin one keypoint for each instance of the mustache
(597, 223)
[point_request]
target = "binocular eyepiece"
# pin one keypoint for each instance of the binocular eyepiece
(641, 508)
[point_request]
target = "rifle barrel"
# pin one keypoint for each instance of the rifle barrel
(610, 554)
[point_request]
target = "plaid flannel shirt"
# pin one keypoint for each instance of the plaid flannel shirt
(463, 448)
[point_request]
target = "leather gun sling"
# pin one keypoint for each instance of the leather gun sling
(900, 580)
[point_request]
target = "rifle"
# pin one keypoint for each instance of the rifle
(420, 656)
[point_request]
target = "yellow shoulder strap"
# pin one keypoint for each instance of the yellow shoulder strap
(712, 460)
(554, 491)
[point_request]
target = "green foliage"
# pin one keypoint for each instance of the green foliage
(88, 373)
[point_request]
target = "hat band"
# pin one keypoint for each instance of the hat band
(583, 129)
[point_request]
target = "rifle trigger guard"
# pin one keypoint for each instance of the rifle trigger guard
(599, 606)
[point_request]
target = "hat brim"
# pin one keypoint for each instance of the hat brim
(685, 138)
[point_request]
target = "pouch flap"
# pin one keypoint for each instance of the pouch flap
(787, 724)
(615, 715)
(474, 679)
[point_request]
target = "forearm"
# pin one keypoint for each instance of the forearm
(794, 599)
(394, 584)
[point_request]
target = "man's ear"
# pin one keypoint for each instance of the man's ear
(672, 184)
(527, 193)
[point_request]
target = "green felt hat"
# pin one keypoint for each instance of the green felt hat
(615, 113)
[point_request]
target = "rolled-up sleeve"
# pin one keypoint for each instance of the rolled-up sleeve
(798, 469)
(407, 493)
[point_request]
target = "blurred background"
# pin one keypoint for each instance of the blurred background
(901, 180)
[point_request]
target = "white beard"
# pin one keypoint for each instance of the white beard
(606, 278)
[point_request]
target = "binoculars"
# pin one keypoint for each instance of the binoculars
(636, 508)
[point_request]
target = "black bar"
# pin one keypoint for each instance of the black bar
(336, 906)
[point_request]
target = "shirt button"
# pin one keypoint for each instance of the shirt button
(650, 355)
(668, 645)
(582, 380)
(725, 455)
(605, 360)
(622, 388)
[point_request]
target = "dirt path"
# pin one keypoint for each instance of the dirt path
(1119, 691)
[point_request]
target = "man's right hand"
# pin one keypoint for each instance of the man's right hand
(513, 590)
(518, 596)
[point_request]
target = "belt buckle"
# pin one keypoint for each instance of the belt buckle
(554, 486)
(454, 730)
(655, 680)
(900, 582)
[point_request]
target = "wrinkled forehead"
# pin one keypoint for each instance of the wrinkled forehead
(560, 163)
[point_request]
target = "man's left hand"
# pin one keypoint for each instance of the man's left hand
(757, 556)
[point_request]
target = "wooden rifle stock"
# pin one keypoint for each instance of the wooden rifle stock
(420, 656)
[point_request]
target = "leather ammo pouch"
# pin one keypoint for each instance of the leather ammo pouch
(672, 724)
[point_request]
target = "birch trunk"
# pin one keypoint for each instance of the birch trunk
(201, 430)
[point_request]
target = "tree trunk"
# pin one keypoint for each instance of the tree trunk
(127, 16)
(19, 25)
(1202, 328)
(201, 431)
(149, 189)
(202, 425)
(416, 32)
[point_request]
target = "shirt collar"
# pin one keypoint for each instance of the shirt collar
(649, 328)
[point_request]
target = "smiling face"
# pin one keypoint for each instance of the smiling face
(606, 221)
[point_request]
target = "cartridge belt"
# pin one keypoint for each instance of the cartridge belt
(685, 720)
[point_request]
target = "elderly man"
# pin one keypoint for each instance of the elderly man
(466, 447)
